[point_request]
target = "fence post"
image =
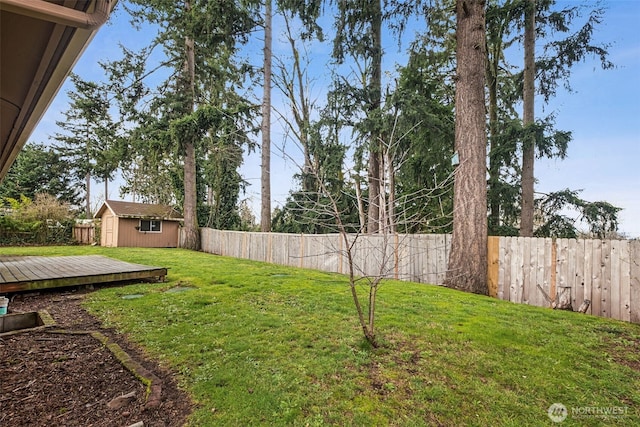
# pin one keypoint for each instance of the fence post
(493, 258)
(634, 265)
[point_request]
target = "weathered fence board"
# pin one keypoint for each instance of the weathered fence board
(596, 279)
(527, 290)
(634, 288)
(605, 306)
(534, 271)
(516, 271)
(543, 272)
(625, 277)
(84, 233)
(614, 282)
(578, 290)
(588, 272)
(563, 292)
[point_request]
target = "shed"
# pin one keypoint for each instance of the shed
(128, 224)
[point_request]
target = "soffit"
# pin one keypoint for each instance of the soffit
(35, 58)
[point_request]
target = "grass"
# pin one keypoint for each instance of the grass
(260, 344)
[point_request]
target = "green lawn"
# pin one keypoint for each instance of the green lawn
(259, 344)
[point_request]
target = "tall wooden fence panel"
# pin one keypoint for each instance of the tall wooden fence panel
(535, 271)
(566, 272)
(419, 258)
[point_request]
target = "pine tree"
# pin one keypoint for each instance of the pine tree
(178, 120)
(467, 268)
(88, 135)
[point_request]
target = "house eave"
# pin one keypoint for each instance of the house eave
(40, 43)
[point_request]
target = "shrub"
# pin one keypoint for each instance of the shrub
(42, 221)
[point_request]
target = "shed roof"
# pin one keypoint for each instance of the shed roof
(124, 209)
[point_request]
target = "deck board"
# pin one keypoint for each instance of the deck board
(36, 272)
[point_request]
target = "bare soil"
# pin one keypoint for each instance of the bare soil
(71, 379)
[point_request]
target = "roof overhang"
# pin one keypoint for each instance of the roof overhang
(40, 43)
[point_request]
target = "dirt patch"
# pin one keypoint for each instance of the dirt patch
(624, 349)
(74, 379)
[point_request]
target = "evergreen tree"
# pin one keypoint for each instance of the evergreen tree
(307, 209)
(554, 219)
(426, 127)
(40, 169)
(359, 37)
(509, 137)
(88, 135)
(182, 119)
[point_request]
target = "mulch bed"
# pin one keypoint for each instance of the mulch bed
(73, 379)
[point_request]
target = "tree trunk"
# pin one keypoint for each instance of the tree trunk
(87, 178)
(191, 234)
(468, 258)
(265, 211)
(375, 171)
(87, 182)
(528, 118)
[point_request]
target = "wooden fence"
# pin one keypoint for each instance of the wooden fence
(84, 233)
(419, 258)
(568, 271)
(532, 271)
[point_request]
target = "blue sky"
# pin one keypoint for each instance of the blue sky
(603, 114)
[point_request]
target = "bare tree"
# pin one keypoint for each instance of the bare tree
(293, 81)
(370, 258)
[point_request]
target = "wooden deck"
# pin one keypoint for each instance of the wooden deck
(25, 273)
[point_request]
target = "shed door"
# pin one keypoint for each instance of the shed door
(108, 231)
